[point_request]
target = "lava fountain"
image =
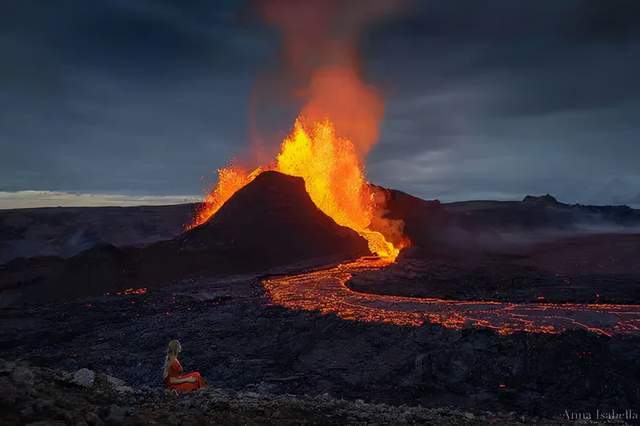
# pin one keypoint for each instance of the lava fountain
(338, 123)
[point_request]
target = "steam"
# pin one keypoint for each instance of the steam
(320, 70)
(337, 123)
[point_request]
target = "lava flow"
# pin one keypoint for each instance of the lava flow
(325, 291)
(334, 178)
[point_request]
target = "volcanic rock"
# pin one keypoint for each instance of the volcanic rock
(22, 375)
(539, 213)
(47, 401)
(116, 415)
(84, 377)
(118, 385)
(476, 227)
(423, 221)
(244, 343)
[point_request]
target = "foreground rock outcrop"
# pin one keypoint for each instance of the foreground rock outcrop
(32, 395)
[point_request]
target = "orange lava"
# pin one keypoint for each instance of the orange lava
(334, 178)
(325, 291)
(130, 291)
(230, 179)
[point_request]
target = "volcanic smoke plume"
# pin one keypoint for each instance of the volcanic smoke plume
(338, 122)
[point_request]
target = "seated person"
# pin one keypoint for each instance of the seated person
(172, 373)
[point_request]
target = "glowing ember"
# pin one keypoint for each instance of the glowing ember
(334, 178)
(130, 291)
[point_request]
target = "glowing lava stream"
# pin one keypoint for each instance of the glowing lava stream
(325, 291)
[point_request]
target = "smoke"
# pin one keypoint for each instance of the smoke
(356, 110)
(320, 72)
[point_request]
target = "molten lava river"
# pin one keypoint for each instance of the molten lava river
(333, 171)
(325, 291)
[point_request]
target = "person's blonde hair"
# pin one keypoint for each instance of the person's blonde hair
(173, 349)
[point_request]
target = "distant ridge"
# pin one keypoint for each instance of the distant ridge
(543, 199)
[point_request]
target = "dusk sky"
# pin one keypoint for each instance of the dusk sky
(122, 99)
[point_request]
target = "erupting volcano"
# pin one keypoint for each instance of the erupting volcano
(337, 124)
(303, 292)
(334, 178)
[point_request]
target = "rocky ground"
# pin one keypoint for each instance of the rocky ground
(32, 395)
(240, 342)
(261, 354)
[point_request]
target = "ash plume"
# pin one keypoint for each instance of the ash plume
(319, 71)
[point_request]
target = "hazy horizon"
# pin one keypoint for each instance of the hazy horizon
(43, 199)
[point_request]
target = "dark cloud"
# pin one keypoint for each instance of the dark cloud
(124, 96)
(505, 21)
(483, 99)
(504, 98)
